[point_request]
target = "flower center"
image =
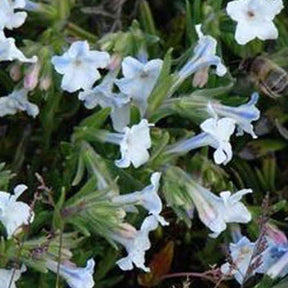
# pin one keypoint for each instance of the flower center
(77, 62)
(250, 14)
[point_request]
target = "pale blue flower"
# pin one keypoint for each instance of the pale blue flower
(139, 80)
(136, 244)
(279, 268)
(8, 17)
(216, 133)
(6, 275)
(275, 256)
(17, 101)
(254, 19)
(13, 213)
(80, 66)
(214, 211)
(241, 254)
(134, 143)
(204, 56)
(76, 277)
(9, 51)
(243, 114)
(148, 198)
(103, 96)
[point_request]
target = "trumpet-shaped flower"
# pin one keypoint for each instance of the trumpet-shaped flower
(74, 276)
(6, 275)
(136, 245)
(13, 213)
(148, 198)
(204, 57)
(8, 17)
(216, 134)
(139, 80)
(134, 145)
(80, 66)
(243, 115)
(254, 19)
(17, 101)
(215, 212)
(103, 96)
(9, 51)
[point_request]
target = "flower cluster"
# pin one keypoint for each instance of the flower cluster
(10, 19)
(111, 81)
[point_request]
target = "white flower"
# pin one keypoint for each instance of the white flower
(148, 198)
(219, 132)
(103, 96)
(17, 101)
(134, 145)
(13, 213)
(243, 114)
(254, 19)
(136, 245)
(204, 56)
(216, 134)
(139, 80)
(8, 18)
(6, 275)
(80, 66)
(9, 51)
(215, 212)
(76, 277)
(241, 254)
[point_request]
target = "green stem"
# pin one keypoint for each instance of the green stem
(81, 33)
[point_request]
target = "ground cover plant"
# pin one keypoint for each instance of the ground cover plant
(143, 143)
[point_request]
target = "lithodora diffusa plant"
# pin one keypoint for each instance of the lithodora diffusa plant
(143, 143)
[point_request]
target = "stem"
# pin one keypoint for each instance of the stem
(78, 31)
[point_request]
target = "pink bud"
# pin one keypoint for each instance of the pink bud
(15, 72)
(31, 78)
(276, 235)
(45, 83)
(127, 231)
(200, 78)
(115, 62)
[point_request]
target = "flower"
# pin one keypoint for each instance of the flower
(243, 114)
(8, 18)
(136, 244)
(13, 213)
(74, 276)
(6, 275)
(9, 51)
(80, 66)
(254, 19)
(204, 57)
(17, 101)
(148, 198)
(216, 133)
(220, 132)
(280, 268)
(139, 80)
(273, 256)
(214, 211)
(241, 254)
(134, 143)
(103, 96)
